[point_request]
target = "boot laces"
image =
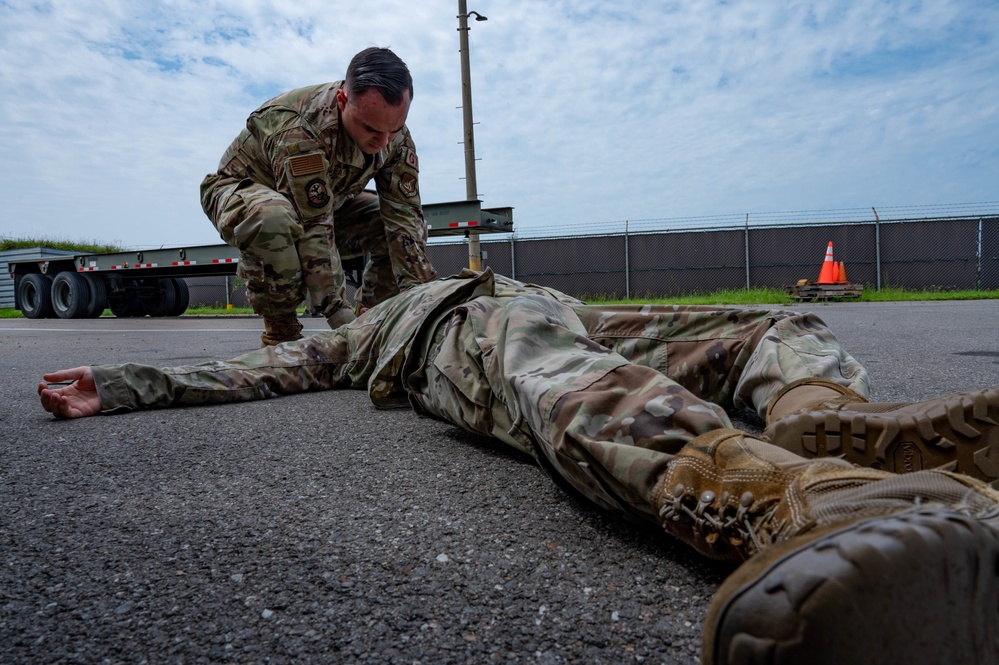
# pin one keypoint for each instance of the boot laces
(748, 526)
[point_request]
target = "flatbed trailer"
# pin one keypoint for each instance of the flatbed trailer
(151, 281)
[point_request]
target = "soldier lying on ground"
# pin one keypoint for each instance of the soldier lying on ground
(626, 406)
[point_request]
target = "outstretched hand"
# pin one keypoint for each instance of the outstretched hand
(77, 400)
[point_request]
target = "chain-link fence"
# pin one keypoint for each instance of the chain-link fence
(945, 253)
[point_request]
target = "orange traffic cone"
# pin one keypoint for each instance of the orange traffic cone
(829, 268)
(842, 274)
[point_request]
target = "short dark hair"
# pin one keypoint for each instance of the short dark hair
(380, 68)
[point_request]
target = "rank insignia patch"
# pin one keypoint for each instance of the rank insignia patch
(317, 193)
(408, 184)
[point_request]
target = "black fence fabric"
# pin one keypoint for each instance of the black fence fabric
(933, 254)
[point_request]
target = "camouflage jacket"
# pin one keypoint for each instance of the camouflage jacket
(369, 353)
(296, 145)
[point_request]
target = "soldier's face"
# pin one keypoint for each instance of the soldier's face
(369, 120)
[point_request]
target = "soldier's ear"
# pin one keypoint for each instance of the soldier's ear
(341, 99)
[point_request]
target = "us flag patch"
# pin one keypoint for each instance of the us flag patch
(306, 164)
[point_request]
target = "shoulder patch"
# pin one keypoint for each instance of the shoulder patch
(408, 185)
(306, 164)
(316, 193)
(411, 160)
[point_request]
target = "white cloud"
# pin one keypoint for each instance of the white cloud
(588, 112)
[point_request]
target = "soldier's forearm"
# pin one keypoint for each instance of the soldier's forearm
(315, 363)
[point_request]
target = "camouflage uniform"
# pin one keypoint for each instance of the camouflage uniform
(288, 194)
(602, 397)
(626, 406)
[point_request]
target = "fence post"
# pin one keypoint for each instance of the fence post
(978, 272)
(627, 268)
(877, 245)
(747, 251)
(513, 258)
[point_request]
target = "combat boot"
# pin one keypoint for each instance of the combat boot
(957, 432)
(282, 328)
(846, 564)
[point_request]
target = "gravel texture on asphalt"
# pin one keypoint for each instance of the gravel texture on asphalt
(315, 528)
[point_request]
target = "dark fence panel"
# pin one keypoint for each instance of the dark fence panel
(949, 253)
(780, 256)
(930, 254)
(496, 255)
(990, 253)
(686, 262)
(448, 259)
(589, 265)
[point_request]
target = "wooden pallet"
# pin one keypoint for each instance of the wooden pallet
(809, 291)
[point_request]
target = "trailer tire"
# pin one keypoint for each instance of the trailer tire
(123, 301)
(70, 295)
(183, 296)
(34, 294)
(98, 297)
(163, 299)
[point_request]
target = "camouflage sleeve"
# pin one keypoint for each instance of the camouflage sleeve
(299, 164)
(398, 188)
(319, 362)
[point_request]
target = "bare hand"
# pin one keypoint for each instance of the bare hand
(77, 400)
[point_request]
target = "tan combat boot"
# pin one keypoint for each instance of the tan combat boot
(278, 329)
(957, 432)
(848, 565)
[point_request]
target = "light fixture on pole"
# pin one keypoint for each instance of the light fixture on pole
(471, 187)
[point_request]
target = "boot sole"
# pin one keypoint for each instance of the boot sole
(959, 433)
(915, 587)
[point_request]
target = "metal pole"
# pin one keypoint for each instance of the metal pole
(978, 271)
(747, 251)
(877, 246)
(627, 270)
(513, 258)
(471, 188)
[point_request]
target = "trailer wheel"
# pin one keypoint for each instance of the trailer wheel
(123, 300)
(70, 295)
(98, 297)
(34, 293)
(183, 296)
(161, 300)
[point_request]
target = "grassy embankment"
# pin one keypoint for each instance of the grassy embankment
(758, 296)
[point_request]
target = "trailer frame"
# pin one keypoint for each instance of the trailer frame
(151, 281)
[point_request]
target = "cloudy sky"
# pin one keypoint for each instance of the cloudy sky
(589, 112)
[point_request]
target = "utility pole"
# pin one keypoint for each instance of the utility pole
(471, 187)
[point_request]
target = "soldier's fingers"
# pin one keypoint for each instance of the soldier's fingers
(64, 375)
(46, 397)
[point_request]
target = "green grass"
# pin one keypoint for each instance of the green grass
(88, 246)
(773, 296)
(216, 311)
(722, 297)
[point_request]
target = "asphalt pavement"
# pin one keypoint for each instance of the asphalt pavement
(315, 528)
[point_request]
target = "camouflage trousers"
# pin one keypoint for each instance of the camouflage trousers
(604, 397)
(284, 260)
